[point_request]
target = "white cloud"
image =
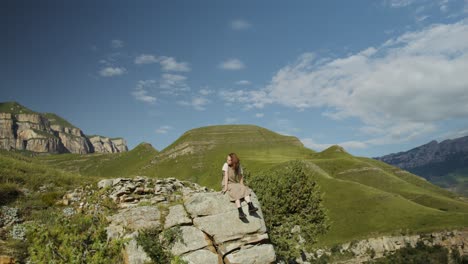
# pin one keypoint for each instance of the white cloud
(243, 82)
(198, 103)
(167, 63)
(400, 3)
(205, 91)
(163, 129)
(240, 24)
(140, 92)
(116, 43)
(170, 64)
(173, 84)
(112, 71)
(230, 120)
(232, 64)
(310, 143)
(399, 90)
(259, 115)
(145, 59)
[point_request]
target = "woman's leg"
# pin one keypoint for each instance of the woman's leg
(239, 208)
(252, 208)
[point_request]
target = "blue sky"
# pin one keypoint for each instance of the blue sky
(373, 76)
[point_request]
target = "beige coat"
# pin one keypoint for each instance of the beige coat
(236, 190)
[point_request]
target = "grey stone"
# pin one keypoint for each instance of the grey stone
(176, 216)
(202, 204)
(105, 183)
(136, 218)
(259, 254)
(191, 239)
(202, 256)
(133, 253)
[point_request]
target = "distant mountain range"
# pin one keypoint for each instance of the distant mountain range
(444, 163)
(24, 129)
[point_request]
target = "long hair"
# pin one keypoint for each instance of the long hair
(235, 162)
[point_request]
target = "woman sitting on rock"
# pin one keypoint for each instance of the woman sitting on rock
(233, 184)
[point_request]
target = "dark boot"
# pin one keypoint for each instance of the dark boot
(241, 213)
(252, 208)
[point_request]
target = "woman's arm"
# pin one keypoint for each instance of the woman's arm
(225, 181)
(241, 177)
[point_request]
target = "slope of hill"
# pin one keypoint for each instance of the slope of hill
(364, 197)
(124, 164)
(444, 163)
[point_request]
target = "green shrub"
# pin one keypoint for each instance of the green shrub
(8, 193)
(292, 206)
(50, 198)
(157, 242)
(74, 239)
(419, 254)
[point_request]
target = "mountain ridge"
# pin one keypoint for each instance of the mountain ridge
(24, 129)
(443, 163)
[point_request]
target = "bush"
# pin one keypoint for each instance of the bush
(73, 239)
(292, 206)
(8, 193)
(419, 254)
(157, 242)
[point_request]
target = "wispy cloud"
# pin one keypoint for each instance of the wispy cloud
(399, 3)
(310, 143)
(243, 82)
(205, 91)
(173, 84)
(231, 120)
(140, 92)
(232, 64)
(170, 64)
(116, 44)
(259, 115)
(399, 91)
(198, 103)
(112, 71)
(163, 129)
(167, 63)
(240, 24)
(145, 59)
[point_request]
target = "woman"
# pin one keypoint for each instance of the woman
(233, 184)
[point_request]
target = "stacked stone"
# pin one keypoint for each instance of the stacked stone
(207, 221)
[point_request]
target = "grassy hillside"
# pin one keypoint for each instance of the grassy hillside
(57, 120)
(14, 108)
(364, 197)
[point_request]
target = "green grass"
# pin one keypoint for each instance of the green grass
(109, 165)
(57, 120)
(14, 108)
(364, 197)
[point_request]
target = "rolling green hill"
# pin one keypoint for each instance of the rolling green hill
(364, 197)
(104, 165)
(15, 108)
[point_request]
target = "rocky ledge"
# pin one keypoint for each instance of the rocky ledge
(206, 221)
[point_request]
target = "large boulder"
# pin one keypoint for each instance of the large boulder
(205, 223)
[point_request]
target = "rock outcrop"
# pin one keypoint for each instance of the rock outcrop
(373, 248)
(206, 221)
(430, 153)
(23, 129)
(107, 145)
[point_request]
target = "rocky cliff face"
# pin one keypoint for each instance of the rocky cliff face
(430, 153)
(106, 145)
(35, 132)
(373, 248)
(206, 221)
